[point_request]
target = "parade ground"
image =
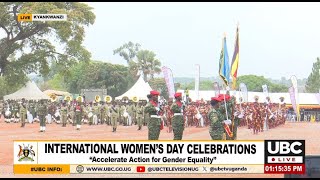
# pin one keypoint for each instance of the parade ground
(10, 132)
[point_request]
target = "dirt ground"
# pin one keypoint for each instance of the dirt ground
(11, 132)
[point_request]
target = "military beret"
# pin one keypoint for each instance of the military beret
(178, 94)
(215, 99)
(154, 93)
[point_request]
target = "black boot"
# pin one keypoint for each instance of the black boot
(112, 129)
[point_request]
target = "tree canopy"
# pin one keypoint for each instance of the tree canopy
(30, 47)
(313, 81)
(139, 60)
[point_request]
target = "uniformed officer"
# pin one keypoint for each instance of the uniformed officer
(78, 112)
(102, 112)
(64, 112)
(216, 129)
(177, 122)
(23, 112)
(155, 120)
(42, 111)
(139, 115)
(114, 111)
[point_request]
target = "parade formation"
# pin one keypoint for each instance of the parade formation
(222, 115)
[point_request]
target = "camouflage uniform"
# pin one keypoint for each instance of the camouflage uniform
(102, 113)
(177, 121)
(114, 111)
(78, 112)
(23, 113)
(64, 112)
(154, 123)
(42, 111)
(139, 116)
(216, 129)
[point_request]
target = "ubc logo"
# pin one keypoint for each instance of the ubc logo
(284, 151)
(284, 147)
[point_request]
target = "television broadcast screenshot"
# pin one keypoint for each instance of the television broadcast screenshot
(159, 89)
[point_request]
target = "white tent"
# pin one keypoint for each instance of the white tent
(30, 92)
(140, 89)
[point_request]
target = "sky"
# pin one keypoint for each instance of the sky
(276, 39)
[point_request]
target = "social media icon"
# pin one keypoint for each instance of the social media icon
(141, 169)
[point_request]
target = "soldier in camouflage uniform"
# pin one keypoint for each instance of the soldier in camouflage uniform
(216, 129)
(78, 112)
(155, 120)
(177, 122)
(114, 111)
(225, 102)
(102, 112)
(139, 115)
(42, 111)
(64, 112)
(23, 112)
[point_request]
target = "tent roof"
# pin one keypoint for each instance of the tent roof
(56, 92)
(30, 92)
(140, 89)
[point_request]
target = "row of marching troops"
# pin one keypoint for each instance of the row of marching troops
(258, 116)
(124, 112)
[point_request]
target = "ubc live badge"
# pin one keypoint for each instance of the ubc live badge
(284, 157)
(284, 151)
(25, 153)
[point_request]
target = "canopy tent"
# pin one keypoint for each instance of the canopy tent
(140, 89)
(29, 92)
(56, 92)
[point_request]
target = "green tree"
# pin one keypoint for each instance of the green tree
(27, 46)
(159, 84)
(139, 60)
(128, 51)
(313, 81)
(96, 74)
(146, 63)
(7, 87)
(55, 83)
(254, 83)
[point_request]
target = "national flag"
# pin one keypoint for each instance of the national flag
(224, 69)
(235, 62)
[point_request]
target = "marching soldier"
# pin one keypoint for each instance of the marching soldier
(102, 112)
(169, 115)
(216, 129)
(95, 110)
(177, 121)
(114, 111)
(42, 111)
(78, 112)
(256, 116)
(64, 114)
(140, 110)
(154, 110)
(23, 112)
